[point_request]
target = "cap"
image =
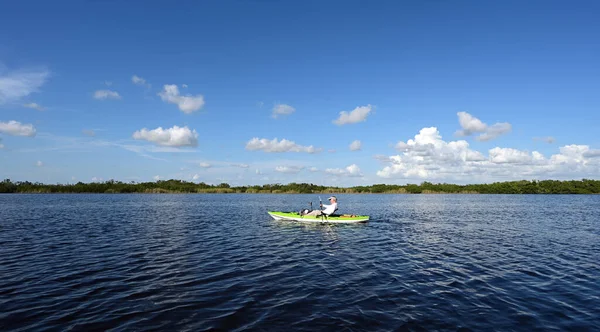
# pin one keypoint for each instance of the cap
(333, 197)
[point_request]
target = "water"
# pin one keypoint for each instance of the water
(199, 262)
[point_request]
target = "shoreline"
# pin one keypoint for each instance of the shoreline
(553, 187)
(286, 193)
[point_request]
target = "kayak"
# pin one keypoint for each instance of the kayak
(333, 219)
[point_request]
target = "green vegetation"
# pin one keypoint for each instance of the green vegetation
(177, 186)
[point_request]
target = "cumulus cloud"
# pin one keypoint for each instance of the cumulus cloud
(276, 146)
(512, 156)
(358, 114)
(187, 104)
(289, 169)
(156, 178)
(34, 106)
(591, 153)
(282, 109)
(106, 94)
(547, 139)
(471, 125)
(173, 137)
(428, 156)
(18, 84)
(355, 146)
(351, 171)
(15, 128)
(205, 165)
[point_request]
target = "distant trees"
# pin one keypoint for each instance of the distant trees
(583, 186)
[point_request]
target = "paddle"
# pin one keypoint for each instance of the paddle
(321, 205)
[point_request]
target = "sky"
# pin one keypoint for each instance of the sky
(327, 92)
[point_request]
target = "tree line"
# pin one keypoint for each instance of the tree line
(583, 186)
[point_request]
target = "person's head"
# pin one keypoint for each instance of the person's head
(332, 199)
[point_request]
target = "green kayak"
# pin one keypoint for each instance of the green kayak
(333, 219)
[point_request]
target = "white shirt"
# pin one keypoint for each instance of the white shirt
(329, 209)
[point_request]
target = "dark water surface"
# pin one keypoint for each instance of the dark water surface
(196, 262)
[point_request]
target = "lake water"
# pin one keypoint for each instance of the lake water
(199, 262)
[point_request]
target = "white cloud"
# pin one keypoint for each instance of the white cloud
(205, 165)
(15, 128)
(471, 125)
(352, 171)
(258, 172)
(592, 153)
(173, 137)
(282, 109)
(106, 94)
(96, 179)
(34, 106)
(355, 146)
(18, 84)
(187, 104)
(107, 83)
(313, 169)
(184, 86)
(195, 177)
(156, 178)
(359, 114)
(289, 169)
(138, 80)
(510, 156)
(494, 131)
(275, 145)
(39, 164)
(547, 139)
(429, 157)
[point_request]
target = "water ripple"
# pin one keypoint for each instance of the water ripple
(199, 262)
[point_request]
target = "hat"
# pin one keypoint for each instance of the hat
(332, 197)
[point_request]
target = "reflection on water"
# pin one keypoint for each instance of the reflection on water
(195, 262)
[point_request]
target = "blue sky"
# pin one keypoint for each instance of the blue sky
(462, 91)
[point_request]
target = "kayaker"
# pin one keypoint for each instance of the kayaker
(327, 209)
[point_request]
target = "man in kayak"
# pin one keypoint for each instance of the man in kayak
(326, 209)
